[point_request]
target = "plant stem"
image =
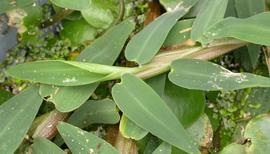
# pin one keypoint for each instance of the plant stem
(266, 51)
(47, 128)
(161, 63)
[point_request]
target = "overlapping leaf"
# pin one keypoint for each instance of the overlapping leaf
(57, 72)
(130, 130)
(6, 5)
(179, 33)
(203, 75)
(150, 113)
(254, 29)
(16, 116)
(245, 8)
(93, 112)
(99, 13)
(69, 98)
(211, 12)
(257, 130)
(78, 31)
(163, 148)
(83, 142)
(44, 146)
(147, 42)
(74, 5)
(181, 100)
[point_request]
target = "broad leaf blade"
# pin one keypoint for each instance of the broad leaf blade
(130, 130)
(78, 31)
(172, 4)
(99, 14)
(44, 146)
(257, 130)
(247, 8)
(6, 5)
(143, 46)
(182, 100)
(74, 5)
(54, 72)
(163, 148)
(244, 9)
(179, 33)
(203, 75)
(93, 112)
(17, 115)
(257, 27)
(83, 142)
(67, 99)
(95, 53)
(150, 113)
(211, 12)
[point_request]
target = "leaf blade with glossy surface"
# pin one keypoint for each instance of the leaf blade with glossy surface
(150, 113)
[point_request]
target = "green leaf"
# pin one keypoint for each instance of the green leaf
(257, 27)
(6, 5)
(211, 12)
(203, 75)
(78, 31)
(182, 100)
(98, 15)
(201, 131)
(157, 83)
(247, 8)
(258, 101)
(172, 4)
(249, 56)
(83, 142)
(73, 5)
(58, 72)
(150, 113)
(16, 116)
(179, 33)
(44, 146)
(257, 130)
(144, 45)
(130, 130)
(4, 96)
(163, 148)
(234, 148)
(93, 112)
(69, 98)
